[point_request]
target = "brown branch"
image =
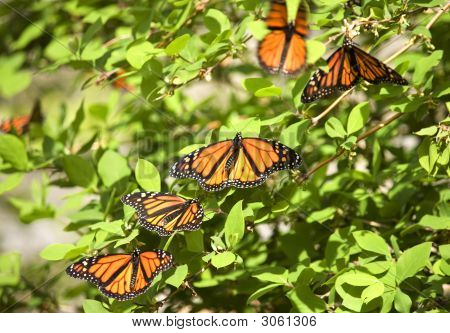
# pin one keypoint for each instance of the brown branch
(341, 151)
(186, 284)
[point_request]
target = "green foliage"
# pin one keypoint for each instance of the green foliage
(126, 89)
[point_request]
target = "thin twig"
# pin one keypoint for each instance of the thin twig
(341, 151)
(184, 285)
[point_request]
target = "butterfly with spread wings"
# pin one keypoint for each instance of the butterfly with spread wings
(20, 124)
(241, 162)
(283, 49)
(347, 65)
(122, 276)
(165, 213)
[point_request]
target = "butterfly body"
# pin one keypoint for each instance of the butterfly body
(240, 162)
(164, 212)
(122, 276)
(284, 48)
(347, 66)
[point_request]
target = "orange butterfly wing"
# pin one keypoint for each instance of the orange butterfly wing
(284, 48)
(341, 76)
(241, 162)
(374, 71)
(20, 124)
(346, 65)
(17, 125)
(122, 276)
(165, 213)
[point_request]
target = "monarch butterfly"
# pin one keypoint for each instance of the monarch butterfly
(241, 162)
(122, 276)
(165, 213)
(21, 124)
(117, 78)
(284, 48)
(346, 66)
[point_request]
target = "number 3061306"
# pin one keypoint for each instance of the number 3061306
(289, 321)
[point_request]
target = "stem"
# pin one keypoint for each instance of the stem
(341, 151)
(185, 283)
(315, 120)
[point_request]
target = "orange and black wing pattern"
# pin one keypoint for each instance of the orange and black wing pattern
(165, 213)
(346, 66)
(283, 49)
(122, 276)
(342, 75)
(241, 162)
(20, 125)
(374, 71)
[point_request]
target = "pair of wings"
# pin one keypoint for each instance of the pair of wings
(241, 162)
(122, 276)
(20, 124)
(165, 213)
(284, 49)
(346, 66)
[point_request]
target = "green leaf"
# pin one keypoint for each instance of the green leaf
(369, 241)
(377, 267)
(177, 45)
(322, 215)
(223, 259)
(427, 131)
(112, 167)
(424, 65)
(412, 261)
(90, 33)
(428, 154)
(261, 87)
(293, 135)
(261, 292)
(371, 292)
(258, 29)
(402, 302)
(314, 50)
(147, 176)
(216, 21)
(140, 52)
(127, 240)
(189, 149)
(334, 128)
(9, 269)
(92, 306)
(268, 92)
(358, 117)
(12, 150)
(177, 276)
(56, 251)
(234, 225)
(305, 301)
(194, 241)
(358, 279)
(10, 182)
(349, 143)
(435, 222)
(80, 172)
(113, 227)
(272, 274)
